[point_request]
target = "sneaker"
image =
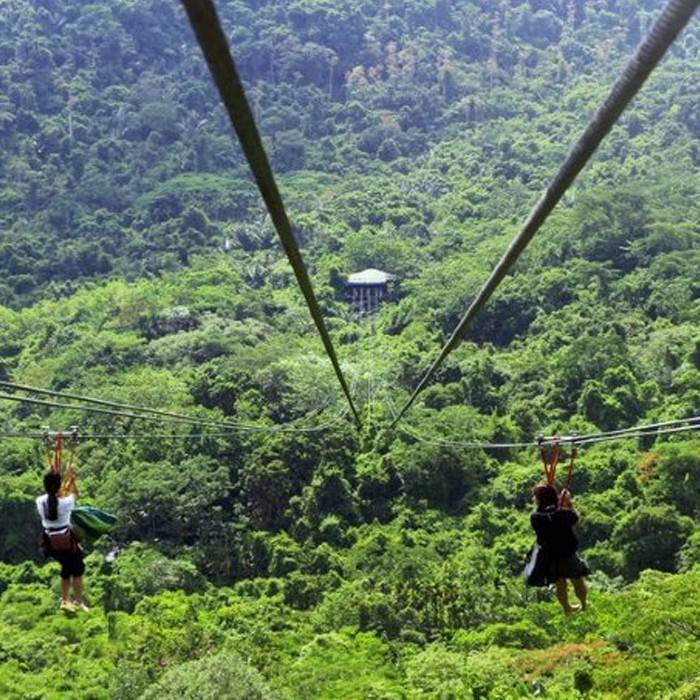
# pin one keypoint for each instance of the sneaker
(80, 606)
(67, 606)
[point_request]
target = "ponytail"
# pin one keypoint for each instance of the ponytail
(52, 483)
(53, 507)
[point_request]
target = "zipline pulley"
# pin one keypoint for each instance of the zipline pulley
(55, 443)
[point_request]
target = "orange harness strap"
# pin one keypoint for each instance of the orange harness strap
(572, 462)
(72, 445)
(550, 464)
(57, 457)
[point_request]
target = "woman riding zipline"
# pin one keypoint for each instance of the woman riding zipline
(58, 542)
(557, 551)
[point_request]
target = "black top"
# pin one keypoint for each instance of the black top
(554, 528)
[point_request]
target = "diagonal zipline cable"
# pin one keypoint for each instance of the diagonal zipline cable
(675, 15)
(207, 28)
(86, 409)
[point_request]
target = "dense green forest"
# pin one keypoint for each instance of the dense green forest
(137, 264)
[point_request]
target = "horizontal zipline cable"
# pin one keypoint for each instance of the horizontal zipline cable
(180, 417)
(649, 433)
(37, 435)
(658, 428)
(207, 28)
(649, 430)
(468, 445)
(633, 433)
(675, 15)
(70, 435)
(192, 421)
(650, 426)
(113, 404)
(526, 445)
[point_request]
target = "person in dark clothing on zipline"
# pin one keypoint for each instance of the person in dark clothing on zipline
(553, 522)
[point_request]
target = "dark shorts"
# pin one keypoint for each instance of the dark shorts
(72, 563)
(568, 567)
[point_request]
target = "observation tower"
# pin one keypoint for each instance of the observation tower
(367, 289)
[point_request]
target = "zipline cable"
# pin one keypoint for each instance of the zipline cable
(649, 430)
(207, 28)
(527, 445)
(191, 421)
(469, 445)
(116, 405)
(78, 436)
(453, 443)
(650, 433)
(180, 417)
(30, 435)
(675, 15)
(622, 431)
(641, 431)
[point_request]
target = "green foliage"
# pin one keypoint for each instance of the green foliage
(440, 672)
(343, 664)
(675, 478)
(650, 538)
(141, 571)
(222, 675)
(137, 266)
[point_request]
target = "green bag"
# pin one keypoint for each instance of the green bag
(89, 524)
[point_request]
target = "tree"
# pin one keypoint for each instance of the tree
(210, 678)
(675, 477)
(650, 538)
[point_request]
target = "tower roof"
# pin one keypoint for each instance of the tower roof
(371, 276)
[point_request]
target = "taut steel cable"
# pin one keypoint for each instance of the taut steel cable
(137, 416)
(207, 28)
(675, 15)
(120, 407)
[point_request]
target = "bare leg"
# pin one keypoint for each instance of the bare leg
(78, 588)
(563, 596)
(65, 589)
(581, 591)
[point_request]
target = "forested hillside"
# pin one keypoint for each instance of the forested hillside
(307, 558)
